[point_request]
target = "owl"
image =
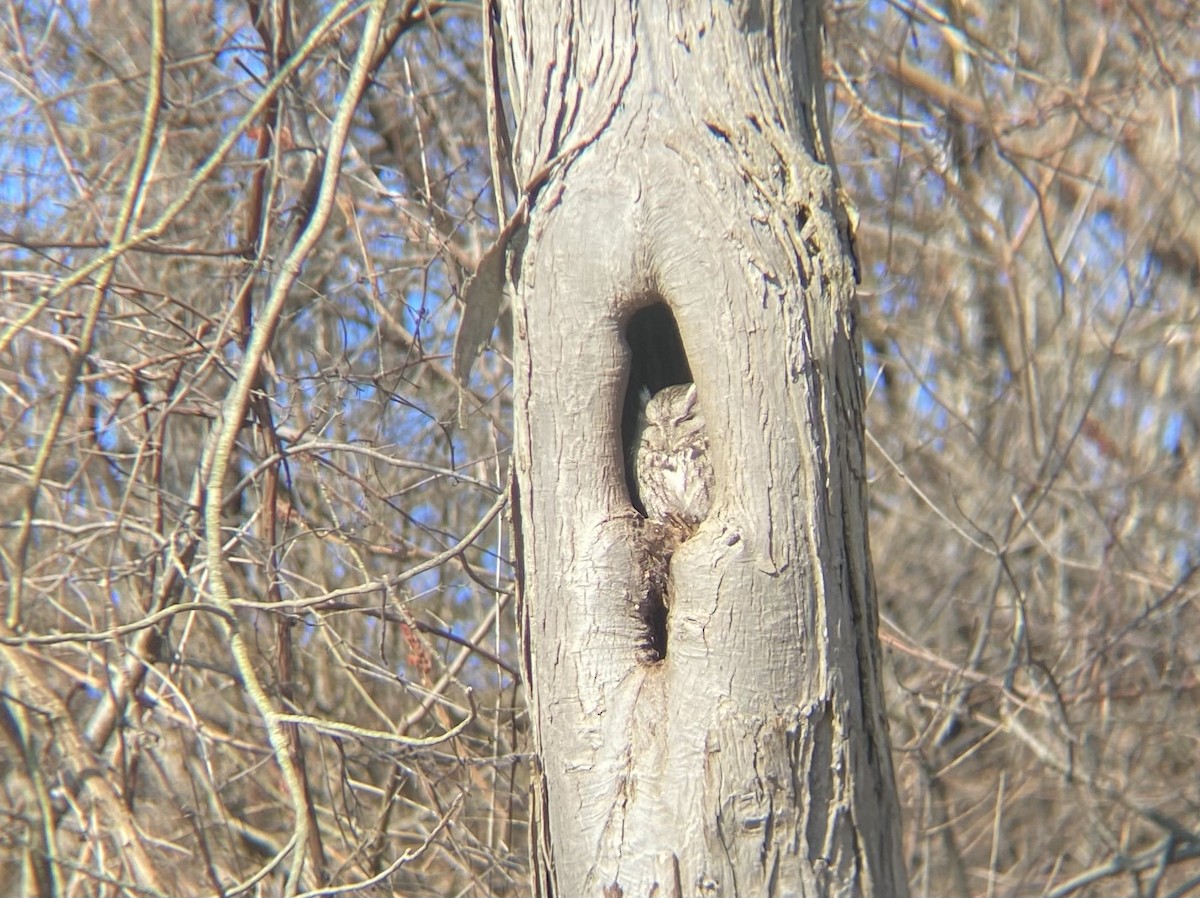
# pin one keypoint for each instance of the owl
(671, 469)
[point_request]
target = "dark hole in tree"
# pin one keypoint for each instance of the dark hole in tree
(656, 359)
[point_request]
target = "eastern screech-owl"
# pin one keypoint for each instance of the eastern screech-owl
(671, 468)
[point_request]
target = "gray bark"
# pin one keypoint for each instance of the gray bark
(672, 152)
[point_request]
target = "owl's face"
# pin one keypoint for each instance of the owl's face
(673, 419)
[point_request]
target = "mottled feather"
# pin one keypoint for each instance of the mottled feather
(671, 468)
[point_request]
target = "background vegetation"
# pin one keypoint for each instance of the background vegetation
(1028, 184)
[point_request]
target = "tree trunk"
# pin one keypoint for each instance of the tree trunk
(707, 722)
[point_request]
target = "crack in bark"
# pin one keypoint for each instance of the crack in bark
(655, 543)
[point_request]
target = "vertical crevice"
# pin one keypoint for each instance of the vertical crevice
(653, 548)
(657, 360)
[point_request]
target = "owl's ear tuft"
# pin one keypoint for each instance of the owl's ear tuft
(689, 399)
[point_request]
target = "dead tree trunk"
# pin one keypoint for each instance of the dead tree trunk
(707, 716)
